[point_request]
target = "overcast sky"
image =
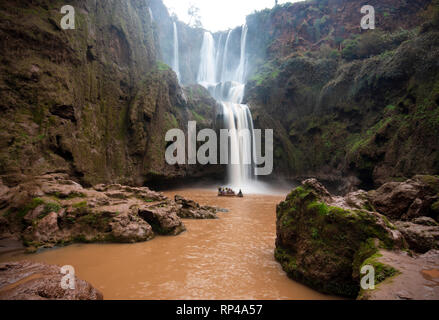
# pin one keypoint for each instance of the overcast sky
(219, 14)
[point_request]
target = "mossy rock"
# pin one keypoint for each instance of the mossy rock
(324, 246)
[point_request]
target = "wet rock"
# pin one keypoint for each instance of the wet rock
(407, 200)
(426, 221)
(45, 230)
(394, 198)
(163, 218)
(192, 210)
(61, 187)
(318, 188)
(323, 240)
(421, 238)
(357, 199)
(4, 228)
(34, 214)
(36, 281)
(128, 228)
(417, 277)
(118, 191)
(53, 210)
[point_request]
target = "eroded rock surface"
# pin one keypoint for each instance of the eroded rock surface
(53, 210)
(36, 281)
(418, 277)
(421, 238)
(323, 240)
(192, 210)
(408, 200)
(163, 218)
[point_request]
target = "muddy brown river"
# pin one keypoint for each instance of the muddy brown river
(229, 258)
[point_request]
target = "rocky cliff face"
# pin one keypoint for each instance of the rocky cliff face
(344, 101)
(94, 102)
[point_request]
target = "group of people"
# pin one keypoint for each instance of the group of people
(229, 192)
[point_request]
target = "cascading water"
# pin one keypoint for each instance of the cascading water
(176, 62)
(224, 64)
(207, 71)
(151, 15)
(230, 93)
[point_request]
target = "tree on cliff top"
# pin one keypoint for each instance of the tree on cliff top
(194, 14)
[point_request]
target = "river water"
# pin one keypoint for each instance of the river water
(228, 258)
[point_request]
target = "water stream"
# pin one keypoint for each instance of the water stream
(226, 82)
(229, 258)
(176, 60)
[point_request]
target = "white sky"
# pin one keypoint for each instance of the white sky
(217, 15)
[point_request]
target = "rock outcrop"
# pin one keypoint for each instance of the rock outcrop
(418, 277)
(325, 240)
(192, 210)
(420, 238)
(95, 102)
(36, 281)
(341, 99)
(411, 205)
(163, 218)
(53, 210)
(408, 200)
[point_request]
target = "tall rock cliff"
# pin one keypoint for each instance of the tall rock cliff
(94, 102)
(346, 102)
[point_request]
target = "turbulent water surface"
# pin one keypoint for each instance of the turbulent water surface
(229, 258)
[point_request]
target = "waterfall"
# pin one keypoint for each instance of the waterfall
(218, 57)
(224, 65)
(176, 63)
(151, 15)
(240, 72)
(207, 70)
(230, 93)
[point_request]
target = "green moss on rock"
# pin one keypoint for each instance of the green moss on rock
(325, 246)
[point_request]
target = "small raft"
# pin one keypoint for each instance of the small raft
(229, 193)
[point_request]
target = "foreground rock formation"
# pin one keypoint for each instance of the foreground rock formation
(36, 281)
(192, 210)
(53, 210)
(325, 240)
(418, 277)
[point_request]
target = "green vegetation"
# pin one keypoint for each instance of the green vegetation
(321, 208)
(266, 73)
(78, 205)
(50, 207)
(382, 271)
(372, 43)
(161, 66)
(344, 239)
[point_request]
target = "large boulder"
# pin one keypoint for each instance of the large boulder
(163, 218)
(36, 281)
(131, 228)
(420, 237)
(409, 199)
(192, 210)
(323, 240)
